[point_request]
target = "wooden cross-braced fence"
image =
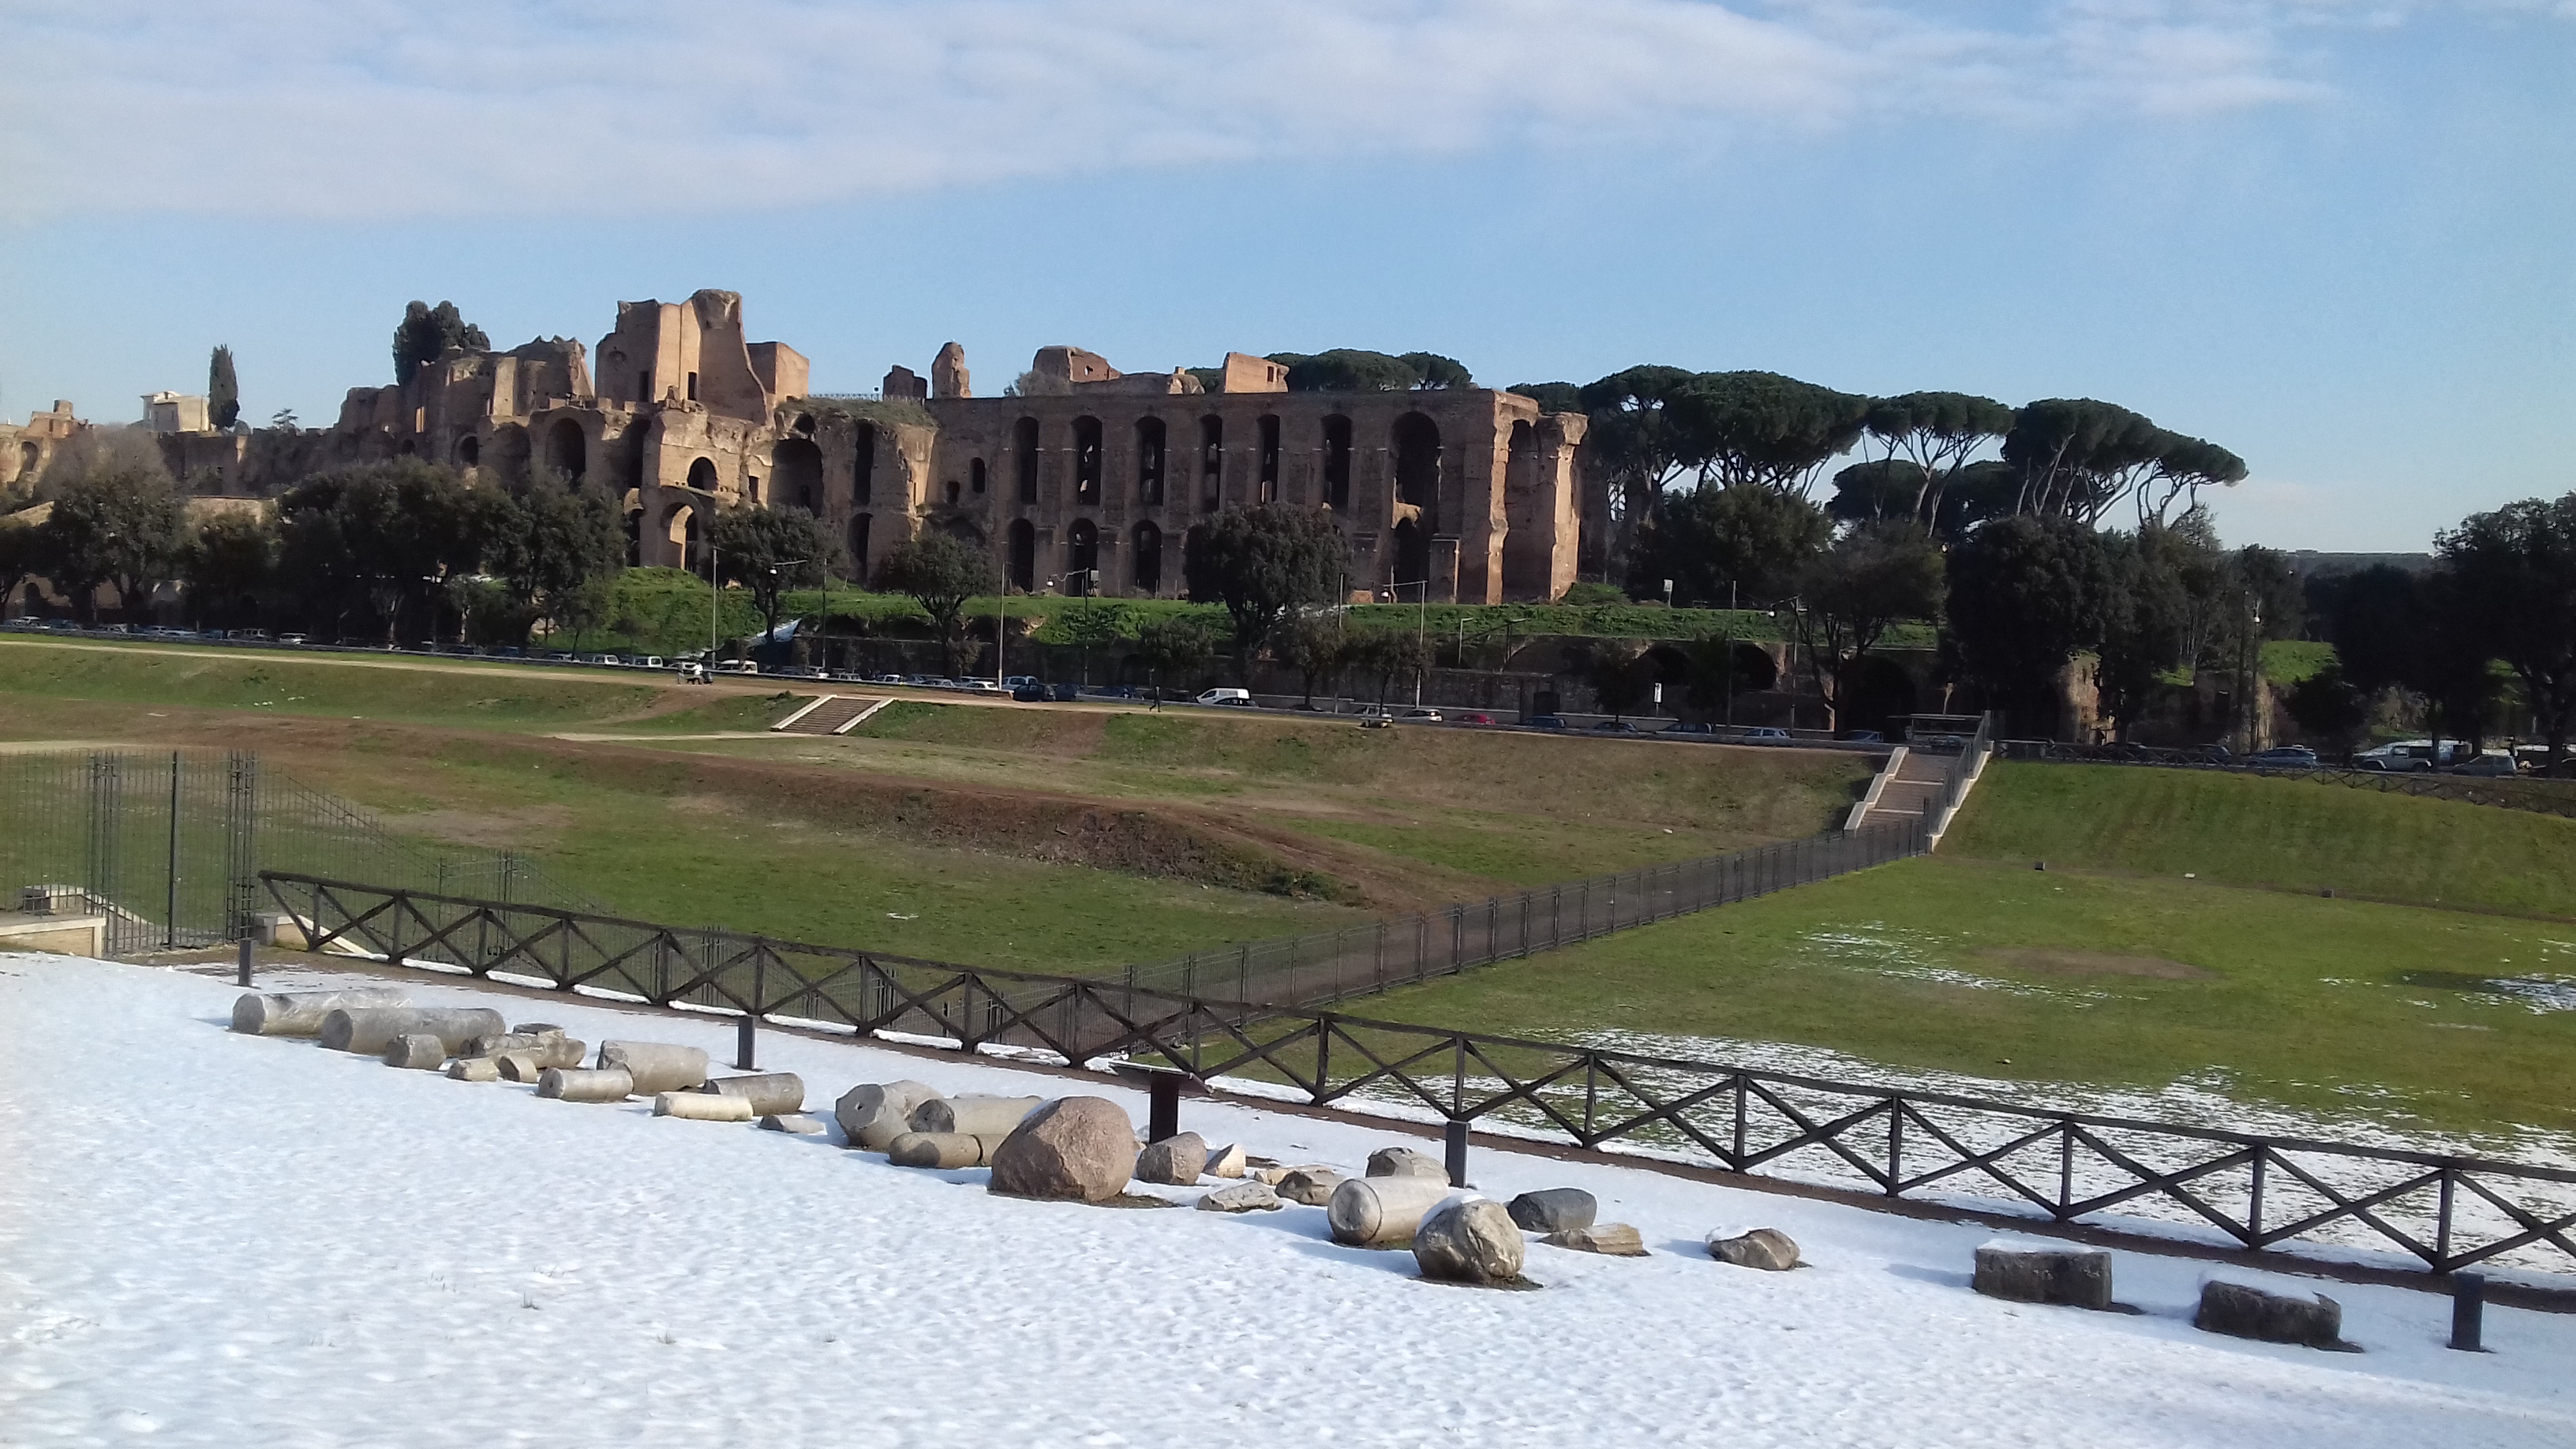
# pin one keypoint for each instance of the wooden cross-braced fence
(2276, 1193)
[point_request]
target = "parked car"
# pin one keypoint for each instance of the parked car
(2403, 757)
(1692, 728)
(20, 626)
(1420, 716)
(979, 686)
(2493, 762)
(2283, 757)
(1019, 681)
(1615, 727)
(644, 661)
(1030, 693)
(736, 666)
(1771, 735)
(1542, 722)
(1862, 737)
(1241, 697)
(298, 640)
(1478, 718)
(251, 636)
(1064, 693)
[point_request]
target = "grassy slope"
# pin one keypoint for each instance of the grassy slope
(2313, 1002)
(2286, 834)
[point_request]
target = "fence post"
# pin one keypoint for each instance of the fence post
(746, 1035)
(170, 919)
(1456, 1133)
(1162, 1106)
(2468, 1308)
(245, 962)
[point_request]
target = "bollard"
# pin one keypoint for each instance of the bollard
(1162, 1106)
(244, 963)
(743, 1041)
(1458, 1154)
(2468, 1307)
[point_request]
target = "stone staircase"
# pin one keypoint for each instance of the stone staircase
(832, 714)
(1908, 787)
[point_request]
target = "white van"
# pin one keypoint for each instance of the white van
(1242, 697)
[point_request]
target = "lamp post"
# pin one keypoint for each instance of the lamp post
(774, 583)
(1422, 626)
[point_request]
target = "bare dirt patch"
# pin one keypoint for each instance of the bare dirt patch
(2050, 961)
(502, 829)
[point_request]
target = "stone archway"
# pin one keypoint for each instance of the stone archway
(567, 450)
(796, 475)
(1145, 570)
(1082, 558)
(1416, 443)
(1020, 570)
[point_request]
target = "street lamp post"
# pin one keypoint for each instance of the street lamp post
(1422, 627)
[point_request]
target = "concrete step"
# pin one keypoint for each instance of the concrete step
(836, 713)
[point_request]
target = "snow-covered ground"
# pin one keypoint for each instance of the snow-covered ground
(213, 1239)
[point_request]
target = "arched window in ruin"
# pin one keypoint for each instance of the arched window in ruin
(1337, 463)
(634, 538)
(863, 464)
(805, 424)
(1024, 458)
(1417, 464)
(859, 550)
(28, 456)
(680, 526)
(469, 451)
(1086, 460)
(1412, 559)
(567, 451)
(1269, 491)
(507, 454)
(796, 474)
(1211, 463)
(1146, 569)
(702, 474)
(952, 492)
(1020, 571)
(975, 477)
(1149, 462)
(1082, 559)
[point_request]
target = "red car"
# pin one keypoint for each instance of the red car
(1484, 719)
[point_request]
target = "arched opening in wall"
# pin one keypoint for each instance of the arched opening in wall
(405, 448)
(1082, 559)
(1880, 693)
(975, 477)
(28, 457)
(507, 454)
(1412, 559)
(630, 459)
(469, 451)
(796, 474)
(1149, 462)
(964, 531)
(702, 474)
(1671, 668)
(1024, 458)
(1754, 668)
(567, 451)
(952, 492)
(863, 464)
(693, 387)
(1417, 465)
(1529, 553)
(1020, 571)
(1146, 569)
(634, 538)
(1086, 460)
(1269, 490)
(804, 425)
(1337, 463)
(680, 527)
(859, 550)
(1211, 463)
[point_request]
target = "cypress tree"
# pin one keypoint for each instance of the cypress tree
(223, 392)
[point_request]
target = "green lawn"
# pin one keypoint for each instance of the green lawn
(2286, 834)
(2054, 976)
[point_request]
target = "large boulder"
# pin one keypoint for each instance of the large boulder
(656, 1066)
(1469, 1240)
(1243, 1197)
(1313, 1186)
(1405, 1162)
(983, 1116)
(2074, 1277)
(1225, 1162)
(1075, 1148)
(873, 1114)
(1614, 1240)
(1175, 1161)
(2242, 1312)
(1554, 1210)
(1381, 1212)
(1769, 1249)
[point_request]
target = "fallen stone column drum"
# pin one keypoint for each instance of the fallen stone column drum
(300, 1013)
(523, 1041)
(873, 1114)
(703, 1106)
(938, 1149)
(771, 1094)
(372, 1029)
(474, 1069)
(525, 1063)
(981, 1116)
(574, 1084)
(1382, 1212)
(656, 1066)
(418, 1052)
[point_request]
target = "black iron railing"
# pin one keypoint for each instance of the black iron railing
(2258, 1192)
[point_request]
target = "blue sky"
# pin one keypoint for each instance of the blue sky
(2337, 237)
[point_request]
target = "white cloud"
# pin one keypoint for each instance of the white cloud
(371, 108)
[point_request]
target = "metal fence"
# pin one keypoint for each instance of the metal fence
(2010, 1158)
(2545, 797)
(168, 845)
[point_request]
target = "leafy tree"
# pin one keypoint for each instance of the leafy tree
(21, 548)
(2146, 626)
(1977, 493)
(2078, 456)
(1755, 539)
(2182, 469)
(940, 574)
(387, 537)
(1173, 646)
(1882, 490)
(1554, 397)
(769, 551)
(1585, 595)
(1346, 369)
(223, 390)
(2327, 707)
(2026, 595)
(557, 549)
(426, 332)
(1937, 432)
(1762, 430)
(1850, 595)
(1636, 448)
(228, 567)
(1386, 655)
(116, 525)
(1433, 372)
(1318, 648)
(1093, 626)
(283, 418)
(2513, 572)
(1262, 563)
(1615, 670)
